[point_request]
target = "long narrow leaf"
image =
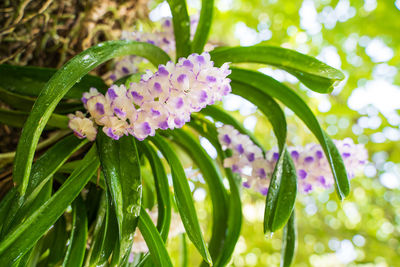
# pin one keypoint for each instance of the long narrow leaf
(162, 187)
(204, 26)
(31, 259)
(184, 199)
(5, 205)
(19, 241)
(20, 102)
(184, 259)
(42, 171)
(98, 231)
(216, 187)
(59, 85)
(77, 243)
(29, 81)
(289, 242)
(25, 103)
(284, 94)
(120, 165)
(70, 166)
(315, 74)
(14, 218)
(18, 118)
(59, 242)
(42, 197)
(234, 224)
(105, 233)
(282, 189)
(234, 220)
(163, 195)
(148, 189)
(156, 246)
(92, 201)
(181, 21)
(282, 193)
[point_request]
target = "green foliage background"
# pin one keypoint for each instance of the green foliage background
(367, 224)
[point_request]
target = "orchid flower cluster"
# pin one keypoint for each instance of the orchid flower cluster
(164, 39)
(312, 167)
(247, 159)
(161, 100)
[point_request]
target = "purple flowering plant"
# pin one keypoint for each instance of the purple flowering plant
(120, 129)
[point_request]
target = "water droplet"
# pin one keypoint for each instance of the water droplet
(269, 235)
(133, 209)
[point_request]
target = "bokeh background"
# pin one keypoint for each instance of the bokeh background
(362, 38)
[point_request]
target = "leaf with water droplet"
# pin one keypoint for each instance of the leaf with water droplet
(59, 84)
(313, 73)
(120, 165)
(283, 186)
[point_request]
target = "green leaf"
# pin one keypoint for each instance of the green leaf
(234, 220)
(183, 197)
(98, 231)
(184, 259)
(181, 21)
(5, 205)
(215, 184)
(42, 171)
(289, 242)
(162, 188)
(59, 85)
(77, 242)
(104, 234)
(69, 167)
(17, 119)
(31, 258)
(29, 81)
(120, 165)
(57, 248)
(313, 73)
(284, 94)
(25, 103)
(267, 106)
(17, 213)
(20, 102)
(234, 224)
(208, 130)
(282, 193)
(204, 26)
(148, 189)
(92, 201)
(163, 194)
(19, 241)
(41, 198)
(156, 246)
(282, 189)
